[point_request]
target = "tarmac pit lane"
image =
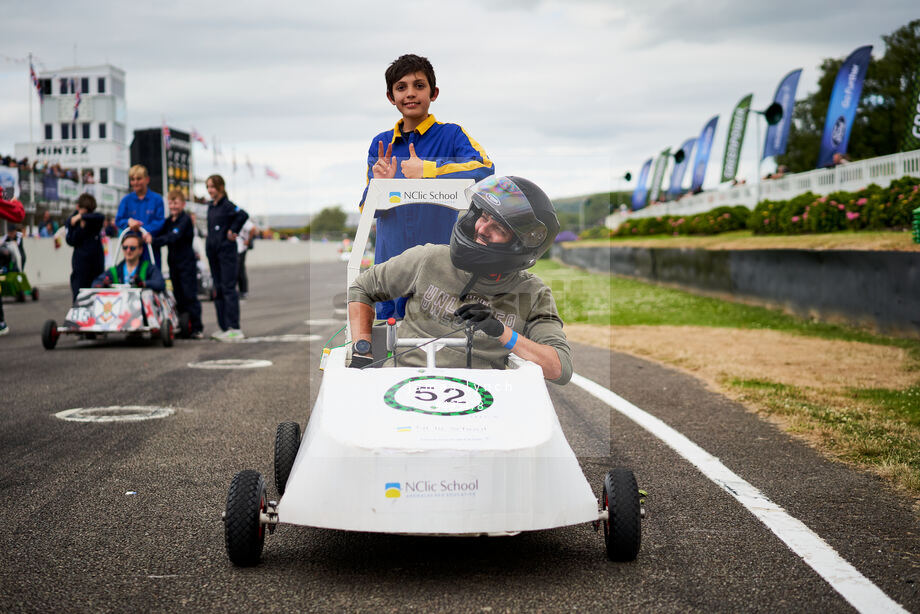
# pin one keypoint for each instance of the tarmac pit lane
(114, 413)
(231, 363)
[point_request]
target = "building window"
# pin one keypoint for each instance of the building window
(102, 130)
(46, 86)
(49, 132)
(84, 85)
(103, 175)
(101, 85)
(63, 86)
(85, 130)
(65, 132)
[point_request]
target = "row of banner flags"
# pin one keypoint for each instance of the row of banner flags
(841, 112)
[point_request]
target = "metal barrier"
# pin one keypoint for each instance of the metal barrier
(851, 177)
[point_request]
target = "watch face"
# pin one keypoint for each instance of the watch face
(362, 346)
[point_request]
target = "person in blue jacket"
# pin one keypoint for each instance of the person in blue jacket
(142, 209)
(418, 147)
(225, 220)
(132, 270)
(177, 234)
(84, 234)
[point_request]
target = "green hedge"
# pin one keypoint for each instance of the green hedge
(872, 208)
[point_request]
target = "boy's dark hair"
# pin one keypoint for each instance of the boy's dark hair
(86, 201)
(406, 65)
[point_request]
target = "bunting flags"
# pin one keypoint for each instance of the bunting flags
(841, 110)
(735, 138)
(778, 134)
(234, 160)
(36, 83)
(271, 173)
(196, 136)
(76, 104)
(249, 166)
(165, 135)
(703, 149)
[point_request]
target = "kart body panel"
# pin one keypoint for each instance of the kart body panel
(119, 310)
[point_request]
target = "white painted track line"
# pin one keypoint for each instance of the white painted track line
(858, 590)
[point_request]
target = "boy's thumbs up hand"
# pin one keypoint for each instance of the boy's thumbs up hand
(412, 168)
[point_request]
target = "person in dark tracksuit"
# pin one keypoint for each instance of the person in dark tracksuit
(84, 233)
(225, 220)
(177, 233)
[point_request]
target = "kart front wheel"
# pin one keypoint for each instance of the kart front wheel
(287, 442)
(243, 530)
(622, 529)
(50, 334)
(166, 333)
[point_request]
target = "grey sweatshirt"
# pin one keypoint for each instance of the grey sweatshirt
(426, 275)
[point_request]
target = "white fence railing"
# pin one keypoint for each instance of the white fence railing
(850, 177)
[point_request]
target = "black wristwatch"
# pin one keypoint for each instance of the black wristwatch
(361, 346)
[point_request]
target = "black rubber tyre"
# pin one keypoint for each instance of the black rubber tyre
(166, 333)
(622, 529)
(34, 294)
(243, 531)
(185, 325)
(287, 442)
(50, 334)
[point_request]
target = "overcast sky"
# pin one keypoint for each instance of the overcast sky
(570, 94)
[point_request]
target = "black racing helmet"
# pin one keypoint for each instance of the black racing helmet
(521, 207)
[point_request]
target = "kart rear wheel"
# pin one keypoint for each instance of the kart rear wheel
(622, 529)
(50, 334)
(185, 325)
(287, 442)
(34, 294)
(244, 533)
(166, 333)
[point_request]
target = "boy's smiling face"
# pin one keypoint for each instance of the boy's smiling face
(412, 95)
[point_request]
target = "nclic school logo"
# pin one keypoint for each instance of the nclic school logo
(392, 490)
(395, 197)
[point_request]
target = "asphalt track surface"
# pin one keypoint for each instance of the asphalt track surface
(74, 541)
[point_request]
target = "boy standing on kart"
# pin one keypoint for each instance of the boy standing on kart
(418, 147)
(141, 210)
(132, 270)
(177, 234)
(479, 282)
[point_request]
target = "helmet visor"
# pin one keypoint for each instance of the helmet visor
(502, 198)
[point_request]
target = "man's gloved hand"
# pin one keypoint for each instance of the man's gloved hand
(359, 362)
(482, 318)
(138, 282)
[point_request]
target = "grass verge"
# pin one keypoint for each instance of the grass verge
(876, 428)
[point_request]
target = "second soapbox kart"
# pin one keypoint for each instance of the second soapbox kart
(428, 451)
(120, 309)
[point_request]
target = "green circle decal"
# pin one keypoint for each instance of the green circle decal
(438, 395)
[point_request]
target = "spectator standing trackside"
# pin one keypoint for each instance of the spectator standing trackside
(84, 231)
(141, 210)
(225, 220)
(13, 240)
(177, 234)
(243, 245)
(425, 148)
(12, 211)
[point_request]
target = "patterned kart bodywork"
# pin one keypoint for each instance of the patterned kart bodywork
(109, 310)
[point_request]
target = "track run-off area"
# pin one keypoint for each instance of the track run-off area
(105, 514)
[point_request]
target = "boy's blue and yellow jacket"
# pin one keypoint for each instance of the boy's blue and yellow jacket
(447, 152)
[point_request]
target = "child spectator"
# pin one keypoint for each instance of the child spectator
(141, 210)
(13, 240)
(177, 234)
(131, 270)
(84, 230)
(12, 211)
(225, 220)
(423, 148)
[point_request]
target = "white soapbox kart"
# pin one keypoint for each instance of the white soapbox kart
(429, 451)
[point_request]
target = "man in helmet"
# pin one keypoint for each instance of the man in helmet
(479, 280)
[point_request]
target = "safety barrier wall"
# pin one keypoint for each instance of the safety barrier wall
(850, 177)
(46, 265)
(863, 288)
